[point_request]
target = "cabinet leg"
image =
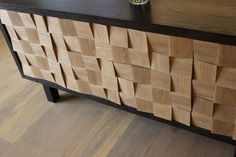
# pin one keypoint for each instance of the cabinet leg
(51, 93)
(235, 152)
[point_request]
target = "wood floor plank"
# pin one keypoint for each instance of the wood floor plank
(54, 126)
(39, 134)
(15, 103)
(15, 126)
(3, 145)
(109, 128)
(138, 138)
(180, 143)
(87, 116)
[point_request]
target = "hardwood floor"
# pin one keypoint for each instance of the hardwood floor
(30, 126)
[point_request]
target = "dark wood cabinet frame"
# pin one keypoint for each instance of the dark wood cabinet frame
(51, 89)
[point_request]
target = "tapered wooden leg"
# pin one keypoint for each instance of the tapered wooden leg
(51, 93)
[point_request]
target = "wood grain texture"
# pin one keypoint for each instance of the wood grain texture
(75, 124)
(128, 66)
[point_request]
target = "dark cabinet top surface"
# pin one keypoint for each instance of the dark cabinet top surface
(200, 19)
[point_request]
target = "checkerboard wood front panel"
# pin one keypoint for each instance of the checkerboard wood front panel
(174, 78)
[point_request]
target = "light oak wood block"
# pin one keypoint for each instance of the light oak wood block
(47, 75)
(11, 18)
(226, 77)
(203, 106)
(38, 50)
(159, 43)
(110, 83)
(203, 90)
(87, 47)
(45, 40)
(95, 77)
(126, 86)
(138, 40)
(225, 96)
(59, 42)
(54, 66)
(182, 67)
(35, 71)
(28, 34)
(202, 113)
(91, 63)
(27, 20)
(83, 30)
(107, 68)
(181, 85)
(27, 70)
(206, 51)
(84, 87)
(128, 100)
(32, 60)
(143, 91)
(124, 71)
(113, 96)
(205, 72)
(80, 74)
(104, 52)
(40, 23)
(181, 101)
(160, 63)
(17, 46)
(42, 63)
(21, 33)
(119, 36)
(26, 47)
(12, 33)
(228, 56)
(22, 46)
(76, 59)
(63, 56)
(5, 19)
(59, 78)
(201, 120)
(23, 59)
(144, 105)
(139, 58)
(71, 83)
(98, 91)
(181, 47)
(53, 25)
(72, 43)
(51, 54)
(161, 96)
(67, 27)
(161, 80)
(181, 116)
(162, 111)
(224, 120)
(67, 70)
(101, 34)
(120, 55)
(141, 75)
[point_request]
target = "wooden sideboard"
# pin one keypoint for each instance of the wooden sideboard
(173, 61)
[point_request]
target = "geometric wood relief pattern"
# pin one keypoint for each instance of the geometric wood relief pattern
(174, 78)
